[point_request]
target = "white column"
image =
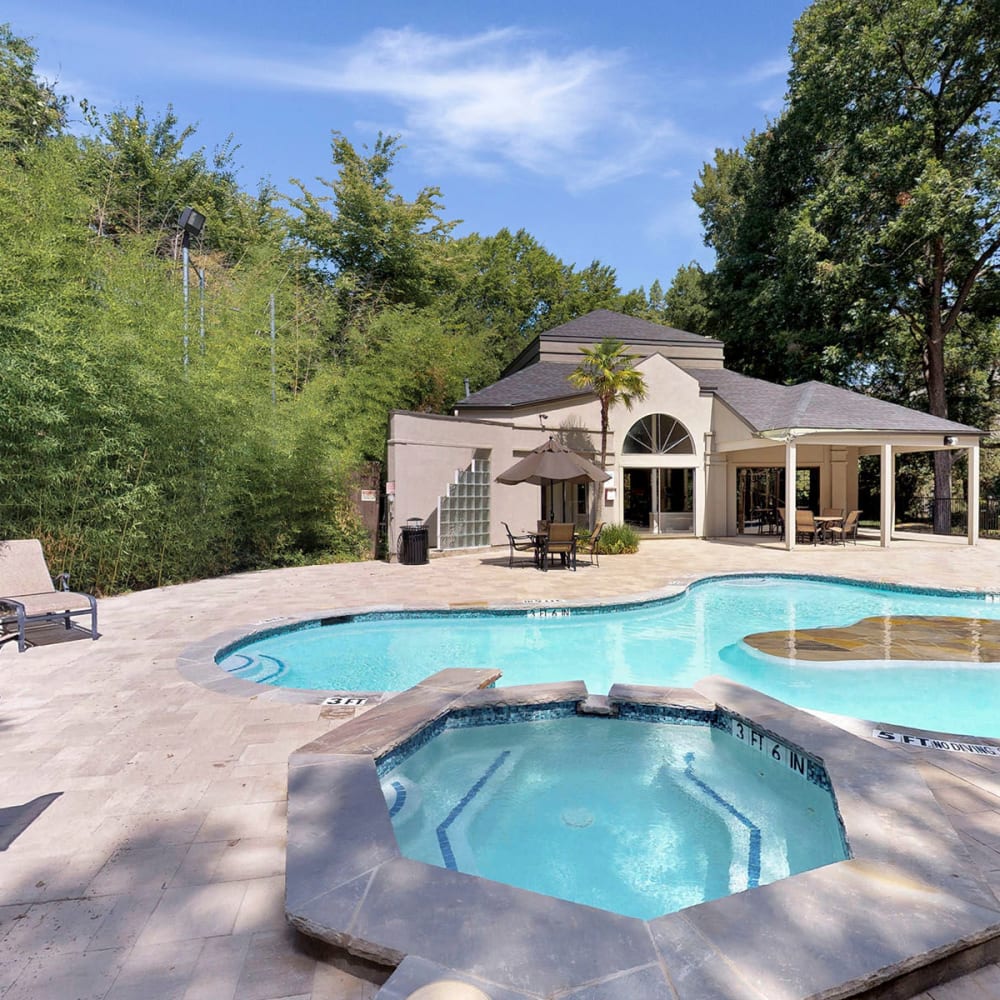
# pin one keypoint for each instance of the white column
(887, 486)
(973, 493)
(790, 494)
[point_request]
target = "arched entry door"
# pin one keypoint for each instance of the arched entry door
(657, 481)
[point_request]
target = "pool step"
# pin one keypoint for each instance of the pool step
(596, 704)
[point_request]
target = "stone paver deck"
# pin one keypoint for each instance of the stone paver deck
(157, 871)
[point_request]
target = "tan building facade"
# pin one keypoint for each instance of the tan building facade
(708, 452)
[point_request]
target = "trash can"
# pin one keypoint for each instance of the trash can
(413, 545)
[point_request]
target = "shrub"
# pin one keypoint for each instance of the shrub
(618, 539)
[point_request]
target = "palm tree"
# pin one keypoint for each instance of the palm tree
(608, 372)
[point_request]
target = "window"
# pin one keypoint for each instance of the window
(658, 434)
(464, 514)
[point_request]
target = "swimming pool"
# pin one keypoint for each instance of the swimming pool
(671, 642)
(692, 814)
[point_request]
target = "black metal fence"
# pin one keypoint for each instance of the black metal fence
(951, 513)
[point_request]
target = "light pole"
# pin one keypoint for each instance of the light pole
(191, 222)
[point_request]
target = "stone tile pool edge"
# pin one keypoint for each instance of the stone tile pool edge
(909, 908)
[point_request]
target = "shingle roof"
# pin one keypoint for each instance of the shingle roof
(601, 323)
(535, 384)
(766, 406)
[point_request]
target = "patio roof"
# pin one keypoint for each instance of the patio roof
(768, 408)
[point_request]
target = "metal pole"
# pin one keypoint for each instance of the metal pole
(184, 260)
(201, 308)
(274, 378)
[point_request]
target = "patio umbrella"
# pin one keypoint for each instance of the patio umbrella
(551, 463)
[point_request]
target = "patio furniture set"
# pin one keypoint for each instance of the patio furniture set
(829, 526)
(556, 539)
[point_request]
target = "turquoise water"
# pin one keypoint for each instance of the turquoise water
(692, 814)
(673, 642)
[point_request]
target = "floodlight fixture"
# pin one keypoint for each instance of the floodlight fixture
(191, 221)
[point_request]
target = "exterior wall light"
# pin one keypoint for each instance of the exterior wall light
(950, 440)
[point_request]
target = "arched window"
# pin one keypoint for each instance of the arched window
(658, 434)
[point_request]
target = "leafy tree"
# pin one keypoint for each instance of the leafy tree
(383, 249)
(30, 110)
(875, 196)
(412, 361)
(513, 288)
(686, 304)
(141, 172)
(608, 371)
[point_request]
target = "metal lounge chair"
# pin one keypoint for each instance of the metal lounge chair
(561, 541)
(520, 543)
(28, 596)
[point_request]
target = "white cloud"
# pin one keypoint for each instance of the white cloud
(487, 98)
(769, 69)
(486, 103)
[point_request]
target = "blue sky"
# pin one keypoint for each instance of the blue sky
(584, 123)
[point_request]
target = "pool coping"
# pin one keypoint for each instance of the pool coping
(908, 909)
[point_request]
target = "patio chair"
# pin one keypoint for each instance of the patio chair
(805, 526)
(779, 513)
(28, 596)
(560, 541)
(848, 529)
(592, 544)
(519, 543)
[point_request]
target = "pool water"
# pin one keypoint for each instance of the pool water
(673, 642)
(635, 817)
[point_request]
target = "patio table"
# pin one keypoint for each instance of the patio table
(824, 524)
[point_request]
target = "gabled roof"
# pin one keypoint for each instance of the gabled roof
(601, 323)
(766, 406)
(537, 383)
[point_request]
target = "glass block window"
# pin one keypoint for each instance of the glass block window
(464, 513)
(658, 434)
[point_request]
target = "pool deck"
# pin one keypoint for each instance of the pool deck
(157, 869)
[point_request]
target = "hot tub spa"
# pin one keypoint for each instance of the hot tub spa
(641, 817)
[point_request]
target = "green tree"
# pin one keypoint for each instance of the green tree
(608, 371)
(686, 304)
(874, 197)
(383, 249)
(412, 361)
(30, 110)
(513, 288)
(140, 172)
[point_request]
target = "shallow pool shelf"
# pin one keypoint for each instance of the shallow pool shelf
(908, 908)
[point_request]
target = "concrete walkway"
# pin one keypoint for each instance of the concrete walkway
(156, 870)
